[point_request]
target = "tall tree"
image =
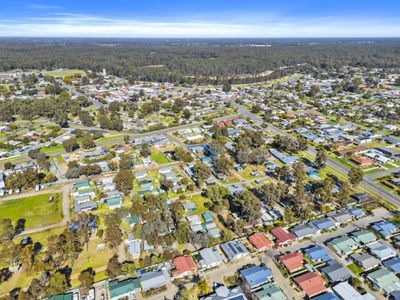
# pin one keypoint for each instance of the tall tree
(356, 176)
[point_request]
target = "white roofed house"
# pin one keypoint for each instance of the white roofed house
(209, 258)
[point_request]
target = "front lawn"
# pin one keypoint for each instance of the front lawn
(159, 158)
(36, 210)
(355, 269)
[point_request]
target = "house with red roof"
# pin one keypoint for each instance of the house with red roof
(228, 123)
(220, 123)
(282, 237)
(260, 242)
(184, 266)
(292, 262)
(311, 283)
(363, 161)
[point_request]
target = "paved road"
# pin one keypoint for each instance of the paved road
(367, 183)
(375, 175)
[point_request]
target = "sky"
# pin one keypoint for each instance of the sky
(200, 18)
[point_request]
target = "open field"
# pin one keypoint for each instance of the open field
(159, 158)
(63, 73)
(36, 210)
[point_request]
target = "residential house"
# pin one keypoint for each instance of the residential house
(292, 262)
(326, 296)
(184, 266)
(322, 224)
(363, 237)
(260, 242)
(311, 283)
(393, 264)
(303, 230)
(256, 276)
(381, 250)
(282, 237)
(385, 228)
(336, 272)
(269, 291)
(154, 280)
(234, 250)
(342, 217)
(384, 280)
(209, 258)
(224, 293)
(317, 254)
(346, 292)
(343, 245)
(123, 289)
(365, 261)
(356, 212)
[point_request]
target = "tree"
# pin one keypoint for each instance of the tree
(343, 196)
(223, 164)
(203, 287)
(124, 181)
(113, 267)
(226, 87)
(321, 158)
(201, 171)
(125, 162)
(356, 176)
(145, 150)
(86, 277)
(248, 205)
(299, 173)
(70, 145)
(58, 283)
(87, 141)
(272, 193)
(113, 233)
(86, 118)
(166, 185)
(6, 228)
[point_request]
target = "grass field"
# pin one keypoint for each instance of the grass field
(60, 159)
(63, 73)
(159, 158)
(52, 149)
(36, 210)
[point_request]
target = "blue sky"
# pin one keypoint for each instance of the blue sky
(200, 18)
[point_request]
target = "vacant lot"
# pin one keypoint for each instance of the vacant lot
(36, 210)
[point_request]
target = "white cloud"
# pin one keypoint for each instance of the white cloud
(76, 25)
(39, 6)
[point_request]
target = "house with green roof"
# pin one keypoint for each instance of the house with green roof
(67, 296)
(208, 218)
(114, 202)
(132, 220)
(123, 289)
(364, 237)
(384, 280)
(343, 245)
(82, 185)
(270, 291)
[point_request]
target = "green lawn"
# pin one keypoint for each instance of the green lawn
(109, 138)
(60, 159)
(36, 210)
(63, 73)
(355, 269)
(199, 201)
(52, 149)
(159, 158)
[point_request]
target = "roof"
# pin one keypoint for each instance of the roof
(317, 253)
(386, 280)
(183, 264)
(256, 275)
(311, 283)
(292, 261)
(322, 224)
(365, 261)
(393, 264)
(336, 272)
(153, 280)
(234, 249)
(208, 217)
(270, 291)
(363, 236)
(326, 296)
(119, 288)
(385, 228)
(260, 241)
(303, 230)
(282, 236)
(347, 292)
(356, 212)
(343, 245)
(68, 296)
(223, 293)
(381, 250)
(209, 257)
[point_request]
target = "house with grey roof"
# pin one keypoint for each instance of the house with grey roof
(234, 250)
(342, 217)
(154, 280)
(381, 250)
(336, 272)
(384, 280)
(209, 258)
(365, 261)
(303, 230)
(343, 245)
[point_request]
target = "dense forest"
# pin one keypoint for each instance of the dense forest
(208, 60)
